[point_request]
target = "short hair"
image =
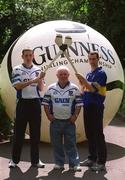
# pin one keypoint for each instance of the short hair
(26, 49)
(62, 68)
(94, 53)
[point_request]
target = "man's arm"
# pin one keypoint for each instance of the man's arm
(41, 83)
(22, 85)
(84, 83)
(48, 114)
(75, 115)
(38, 80)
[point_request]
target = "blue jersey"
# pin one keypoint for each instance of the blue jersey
(97, 79)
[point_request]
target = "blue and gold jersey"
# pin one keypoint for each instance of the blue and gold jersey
(98, 79)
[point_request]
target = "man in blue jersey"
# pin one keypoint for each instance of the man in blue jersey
(28, 82)
(94, 92)
(62, 103)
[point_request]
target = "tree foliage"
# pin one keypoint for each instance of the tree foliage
(17, 16)
(107, 17)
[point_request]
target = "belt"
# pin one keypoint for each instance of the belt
(63, 120)
(29, 100)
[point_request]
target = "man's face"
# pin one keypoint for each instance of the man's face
(63, 75)
(93, 60)
(28, 57)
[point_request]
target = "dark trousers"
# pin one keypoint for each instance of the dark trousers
(93, 122)
(27, 111)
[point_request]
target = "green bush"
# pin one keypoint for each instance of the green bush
(5, 122)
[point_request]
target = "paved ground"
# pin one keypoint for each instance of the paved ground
(115, 137)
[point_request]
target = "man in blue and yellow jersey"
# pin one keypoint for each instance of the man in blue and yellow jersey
(94, 92)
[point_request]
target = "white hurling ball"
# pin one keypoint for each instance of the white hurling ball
(41, 39)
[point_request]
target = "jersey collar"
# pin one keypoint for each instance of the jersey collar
(97, 69)
(27, 67)
(67, 84)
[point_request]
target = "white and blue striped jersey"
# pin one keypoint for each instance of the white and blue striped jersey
(62, 102)
(22, 74)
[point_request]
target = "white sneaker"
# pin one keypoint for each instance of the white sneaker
(76, 168)
(57, 167)
(98, 167)
(87, 162)
(12, 164)
(40, 164)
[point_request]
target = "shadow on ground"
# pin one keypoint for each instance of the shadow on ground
(118, 121)
(114, 152)
(31, 174)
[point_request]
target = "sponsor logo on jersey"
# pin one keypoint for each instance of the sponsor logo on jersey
(55, 92)
(37, 74)
(70, 93)
(62, 100)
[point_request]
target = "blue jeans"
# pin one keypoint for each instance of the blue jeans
(63, 139)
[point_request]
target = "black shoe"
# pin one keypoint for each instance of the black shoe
(98, 167)
(87, 162)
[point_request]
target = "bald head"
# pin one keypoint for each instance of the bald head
(62, 74)
(63, 68)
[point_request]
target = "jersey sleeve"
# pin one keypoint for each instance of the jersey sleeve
(100, 81)
(78, 98)
(46, 98)
(16, 78)
(100, 84)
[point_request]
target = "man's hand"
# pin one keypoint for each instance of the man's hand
(50, 117)
(73, 118)
(48, 114)
(84, 83)
(36, 80)
(80, 78)
(42, 75)
(22, 85)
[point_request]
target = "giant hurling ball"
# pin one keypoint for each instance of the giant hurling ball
(41, 39)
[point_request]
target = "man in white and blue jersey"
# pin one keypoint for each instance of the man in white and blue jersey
(62, 103)
(27, 79)
(94, 92)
